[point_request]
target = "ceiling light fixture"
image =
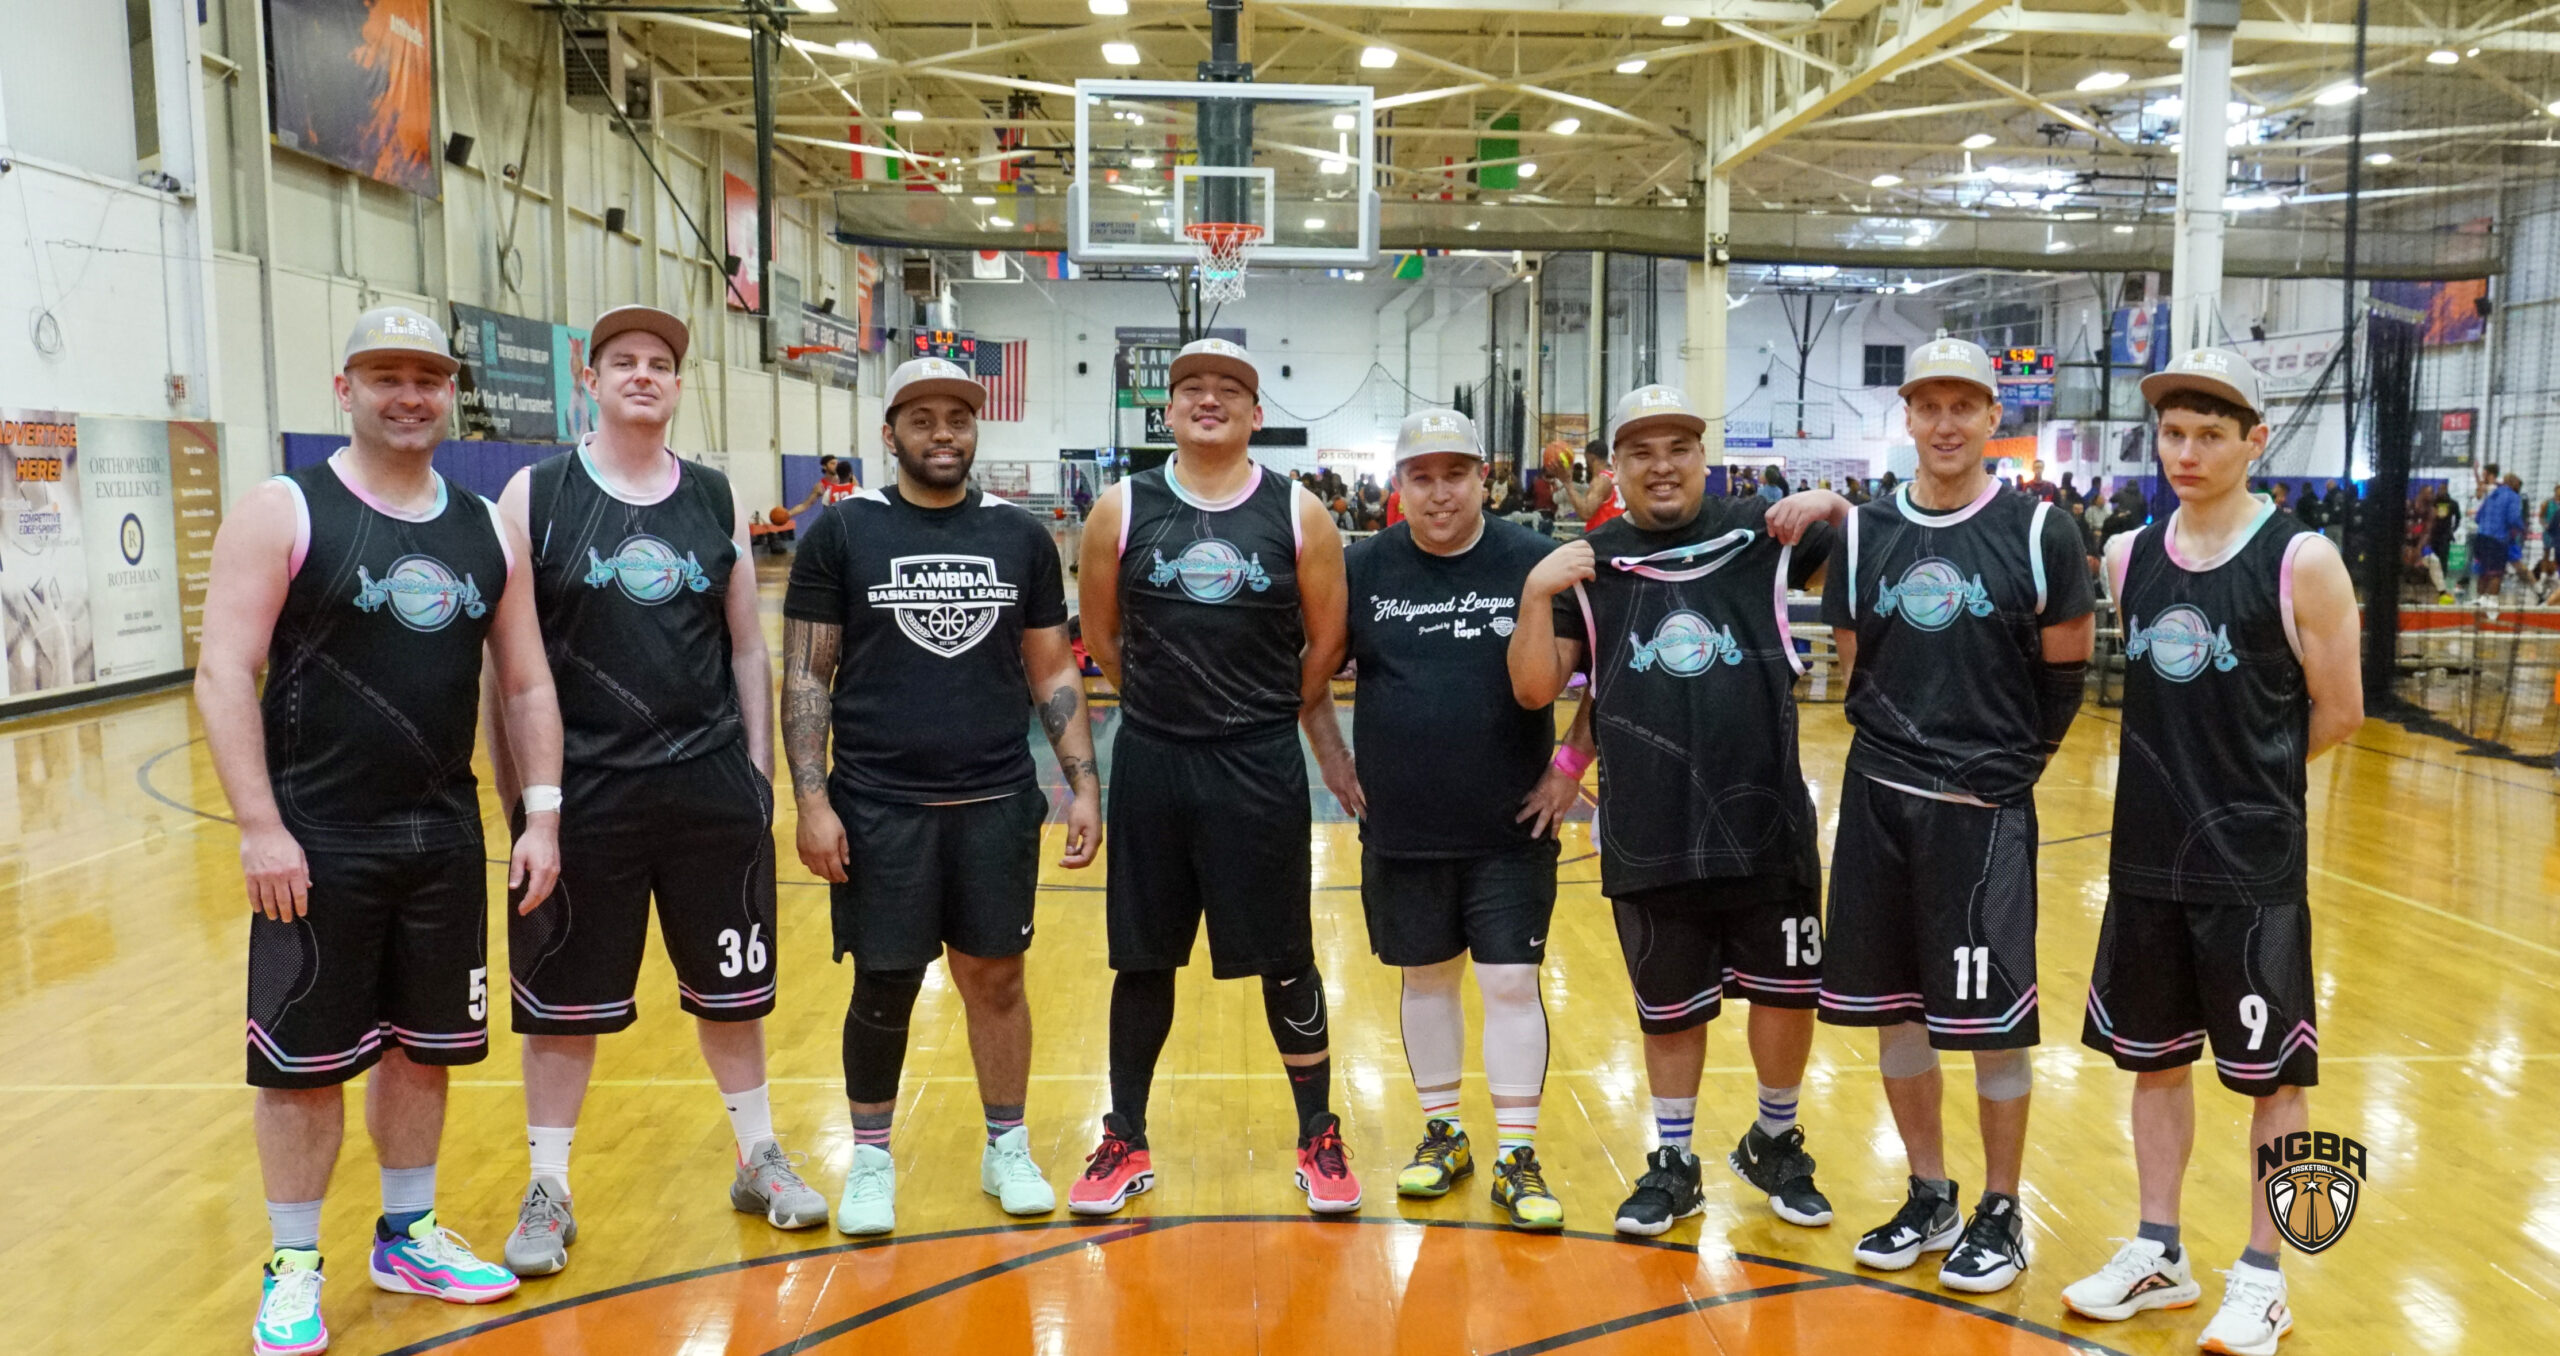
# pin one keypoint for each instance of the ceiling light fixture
(1565, 127)
(982, 200)
(1142, 162)
(2339, 93)
(2378, 158)
(1377, 58)
(1001, 223)
(907, 114)
(1343, 122)
(1315, 223)
(1979, 140)
(2178, 43)
(816, 6)
(1675, 21)
(2100, 81)
(2443, 56)
(2122, 230)
(1332, 165)
(1528, 169)
(856, 47)
(1885, 180)
(1120, 53)
(1631, 66)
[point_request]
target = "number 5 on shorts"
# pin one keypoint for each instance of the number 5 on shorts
(480, 994)
(1973, 972)
(750, 957)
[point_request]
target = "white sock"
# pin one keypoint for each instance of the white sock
(751, 1119)
(550, 1145)
(1517, 1126)
(1673, 1118)
(295, 1224)
(1777, 1109)
(408, 1191)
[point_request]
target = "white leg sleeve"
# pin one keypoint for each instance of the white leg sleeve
(1515, 1030)
(1435, 1024)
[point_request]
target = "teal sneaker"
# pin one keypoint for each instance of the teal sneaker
(1008, 1174)
(432, 1260)
(289, 1307)
(870, 1204)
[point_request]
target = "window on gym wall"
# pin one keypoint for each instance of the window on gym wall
(1884, 365)
(71, 98)
(146, 100)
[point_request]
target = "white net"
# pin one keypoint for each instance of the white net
(1224, 248)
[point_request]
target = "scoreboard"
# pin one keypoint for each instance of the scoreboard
(2025, 362)
(959, 347)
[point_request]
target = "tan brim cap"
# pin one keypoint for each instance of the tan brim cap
(400, 331)
(623, 320)
(2217, 372)
(1426, 432)
(920, 377)
(1651, 407)
(1220, 356)
(1945, 359)
(2160, 385)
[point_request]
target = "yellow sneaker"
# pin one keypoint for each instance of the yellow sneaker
(1438, 1162)
(1520, 1188)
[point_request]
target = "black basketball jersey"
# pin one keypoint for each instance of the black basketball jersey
(1949, 611)
(634, 603)
(1692, 688)
(1210, 628)
(372, 702)
(2217, 722)
(1446, 756)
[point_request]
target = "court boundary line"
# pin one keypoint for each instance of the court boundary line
(1692, 1305)
(1106, 1231)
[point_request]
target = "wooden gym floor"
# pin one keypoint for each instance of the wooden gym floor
(130, 1211)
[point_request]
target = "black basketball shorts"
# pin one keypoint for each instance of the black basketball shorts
(1933, 918)
(1219, 830)
(1425, 910)
(928, 876)
(2171, 976)
(698, 837)
(1686, 945)
(393, 951)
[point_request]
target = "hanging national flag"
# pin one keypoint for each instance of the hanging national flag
(987, 264)
(1049, 264)
(1408, 266)
(1004, 366)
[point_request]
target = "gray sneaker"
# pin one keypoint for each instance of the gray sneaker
(769, 1187)
(545, 1227)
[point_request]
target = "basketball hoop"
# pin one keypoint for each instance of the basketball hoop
(796, 352)
(1224, 247)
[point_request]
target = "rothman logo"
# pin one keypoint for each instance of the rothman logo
(947, 604)
(2312, 1179)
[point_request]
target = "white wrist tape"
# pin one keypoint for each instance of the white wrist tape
(541, 800)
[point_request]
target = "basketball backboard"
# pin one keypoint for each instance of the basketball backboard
(1297, 161)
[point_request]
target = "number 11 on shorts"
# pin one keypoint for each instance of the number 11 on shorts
(1973, 973)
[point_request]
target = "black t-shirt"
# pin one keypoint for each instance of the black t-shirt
(931, 701)
(1446, 755)
(1693, 671)
(634, 601)
(1949, 611)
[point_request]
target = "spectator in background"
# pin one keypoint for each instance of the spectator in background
(1888, 484)
(2311, 510)
(2341, 503)
(2068, 497)
(2497, 531)
(2037, 485)
(1542, 498)
(1773, 484)
(2280, 496)
(2444, 519)
(2078, 508)
(2550, 528)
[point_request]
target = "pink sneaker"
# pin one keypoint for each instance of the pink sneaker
(1324, 1169)
(1117, 1170)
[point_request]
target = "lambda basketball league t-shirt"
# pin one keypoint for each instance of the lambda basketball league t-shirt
(931, 701)
(1430, 635)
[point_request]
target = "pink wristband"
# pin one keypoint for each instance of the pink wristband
(1571, 761)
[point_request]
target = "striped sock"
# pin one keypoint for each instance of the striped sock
(1001, 1119)
(1441, 1104)
(872, 1130)
(1517, 1126)
(1673, 1118)
(1777, 1109)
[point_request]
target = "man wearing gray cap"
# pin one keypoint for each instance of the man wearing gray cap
(367, 588)
(2241, 666)
(647, 595)
(1212, 597)
(918, 617)
(1708, 857)
(1456, 802)
(1961, 609)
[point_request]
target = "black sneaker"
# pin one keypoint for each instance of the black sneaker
(1927, 1222)
(1993, 1250)
(1780, 1169)
(1668, 1191)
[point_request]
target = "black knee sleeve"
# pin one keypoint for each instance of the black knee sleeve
(1294, 1004)
(875, 1032)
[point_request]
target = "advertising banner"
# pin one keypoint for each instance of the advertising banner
(510, 383)
(738, 209)
(132, 547)
(353, 83)
(577, 409)
(195, 477)
(44, 575)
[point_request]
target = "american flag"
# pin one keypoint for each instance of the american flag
(1004, 367)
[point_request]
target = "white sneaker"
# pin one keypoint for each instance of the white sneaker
(2253, 1316)
(1008, 1174)
(2138, 1277)
(870, 1204)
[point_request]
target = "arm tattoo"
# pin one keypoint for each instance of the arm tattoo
(1057, 711)
(808, 707)
(1078, 771)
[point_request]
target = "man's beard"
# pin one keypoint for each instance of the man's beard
(919, 467)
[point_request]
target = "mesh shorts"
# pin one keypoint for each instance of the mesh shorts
(2170, 977)
(392, 951)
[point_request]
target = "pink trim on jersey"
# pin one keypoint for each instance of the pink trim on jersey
(1902, 501)
(2169, 540)
(1949, 797)
(1852, 535)
(1128, 513)
(301, 526)
(1590, 650)
(1235, 501)
(338, 468)
(1786, 629)
(2124, 566)
(2284, 590)
(587, 460)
